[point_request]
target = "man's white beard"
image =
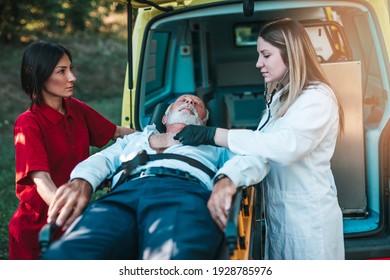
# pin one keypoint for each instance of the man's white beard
(184, 116)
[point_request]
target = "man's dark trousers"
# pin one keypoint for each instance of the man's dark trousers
(145, 218)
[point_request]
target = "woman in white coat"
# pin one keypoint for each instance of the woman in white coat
(297, 136)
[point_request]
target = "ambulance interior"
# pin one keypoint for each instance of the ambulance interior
(211, 52)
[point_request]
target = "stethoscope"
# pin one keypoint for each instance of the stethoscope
(269, 97)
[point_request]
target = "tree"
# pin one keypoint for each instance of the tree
(23, 20)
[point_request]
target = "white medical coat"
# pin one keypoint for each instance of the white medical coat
(303, 217)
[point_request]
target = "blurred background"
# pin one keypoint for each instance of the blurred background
(96, 34)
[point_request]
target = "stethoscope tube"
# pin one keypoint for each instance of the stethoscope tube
(269, 101)
(271, 96)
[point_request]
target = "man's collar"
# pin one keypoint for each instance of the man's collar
(149, 130)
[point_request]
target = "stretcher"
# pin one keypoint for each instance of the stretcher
(243, 233)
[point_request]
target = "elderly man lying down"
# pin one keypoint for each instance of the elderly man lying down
(161, 209)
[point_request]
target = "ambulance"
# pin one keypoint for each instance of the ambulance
(208, 48)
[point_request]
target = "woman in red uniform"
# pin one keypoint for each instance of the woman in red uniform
(51, 137)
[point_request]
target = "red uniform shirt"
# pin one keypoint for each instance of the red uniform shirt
(46, 140)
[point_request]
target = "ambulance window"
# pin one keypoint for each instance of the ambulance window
(327, 37)
(245, 34)
(329, 40)
(156, 61)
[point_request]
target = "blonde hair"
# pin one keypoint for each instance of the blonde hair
(299, 55)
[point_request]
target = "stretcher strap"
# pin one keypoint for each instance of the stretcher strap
(142, 158)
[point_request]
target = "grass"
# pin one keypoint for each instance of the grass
(7, 187)
(100, 69)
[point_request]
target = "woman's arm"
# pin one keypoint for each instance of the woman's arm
(121, 131)
(195, 135)
(221, 137)
(45, 185)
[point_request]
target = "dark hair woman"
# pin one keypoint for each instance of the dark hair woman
(50, 137)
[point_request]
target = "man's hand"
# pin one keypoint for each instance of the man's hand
(69, 202)
(195, 135)
(221, 200)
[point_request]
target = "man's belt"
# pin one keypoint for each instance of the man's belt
(142, 158)
(163, 171)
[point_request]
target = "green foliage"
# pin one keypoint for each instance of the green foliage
(9, 201)
(25, 20)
